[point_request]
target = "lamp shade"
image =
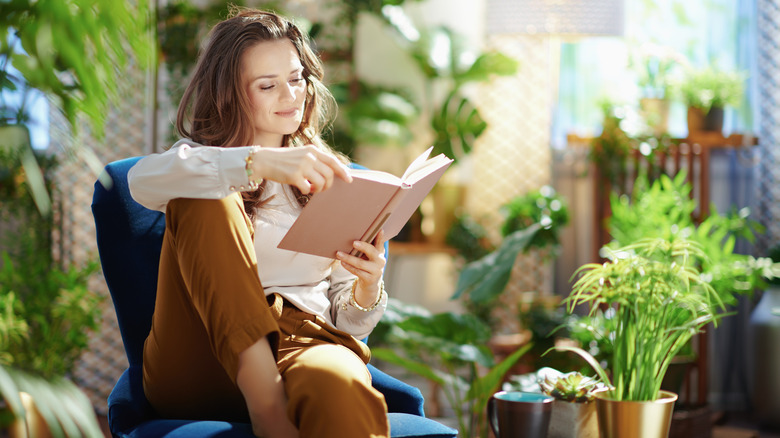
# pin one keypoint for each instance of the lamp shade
(555, 17)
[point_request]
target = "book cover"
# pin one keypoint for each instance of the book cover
(374, 200)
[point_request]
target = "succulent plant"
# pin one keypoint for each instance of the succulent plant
(571, 387)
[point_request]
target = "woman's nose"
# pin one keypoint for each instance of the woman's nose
(288, 93)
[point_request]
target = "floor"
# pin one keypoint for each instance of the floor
(740, 425)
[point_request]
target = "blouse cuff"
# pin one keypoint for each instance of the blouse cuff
(233, 168)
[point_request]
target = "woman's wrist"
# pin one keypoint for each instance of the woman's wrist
(252, 168)
(374, 297)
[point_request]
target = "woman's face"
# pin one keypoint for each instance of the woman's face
(272, 76)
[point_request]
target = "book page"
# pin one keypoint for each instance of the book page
(426, 168)
(418, 163)
(376, 175)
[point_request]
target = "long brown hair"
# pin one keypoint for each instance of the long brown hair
(215, 109)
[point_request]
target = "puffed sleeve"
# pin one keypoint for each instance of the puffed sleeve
(344, 315)
(188, 170)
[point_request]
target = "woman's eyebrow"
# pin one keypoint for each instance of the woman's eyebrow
(271, 76)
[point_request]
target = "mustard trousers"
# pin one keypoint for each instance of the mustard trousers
(211, 306)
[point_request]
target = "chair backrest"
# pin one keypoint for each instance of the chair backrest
(129, 238)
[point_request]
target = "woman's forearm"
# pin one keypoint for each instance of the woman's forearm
(263, 390)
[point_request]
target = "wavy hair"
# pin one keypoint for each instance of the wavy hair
(215, 109)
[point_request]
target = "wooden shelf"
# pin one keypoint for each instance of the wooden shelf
(404, 248)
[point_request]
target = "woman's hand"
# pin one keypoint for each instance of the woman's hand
(368, 268)
(306, 167)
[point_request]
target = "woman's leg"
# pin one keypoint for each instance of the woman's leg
(210, 307)
(330, 395)
(327, 383)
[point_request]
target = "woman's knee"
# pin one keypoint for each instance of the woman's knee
(328, 365)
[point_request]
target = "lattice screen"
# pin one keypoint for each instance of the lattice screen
(126, 135)
(769, 130)
(512, 157)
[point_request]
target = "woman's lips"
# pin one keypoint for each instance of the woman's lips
(288, 113)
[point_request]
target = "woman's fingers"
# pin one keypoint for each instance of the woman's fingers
(306, 167)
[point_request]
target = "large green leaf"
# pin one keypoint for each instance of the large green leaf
(488, 65)
(457, 125)
(75, 50)
(421, 369)
(455, 327)
(484, 279)
(483, 387)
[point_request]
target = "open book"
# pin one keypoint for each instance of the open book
(374, 200)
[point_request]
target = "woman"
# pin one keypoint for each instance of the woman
(241, 328)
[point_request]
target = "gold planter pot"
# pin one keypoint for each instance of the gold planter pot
(620, 419)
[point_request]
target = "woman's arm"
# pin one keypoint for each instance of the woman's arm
(263, 390)
(188, 170)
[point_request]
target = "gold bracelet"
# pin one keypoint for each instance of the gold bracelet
(253, 184)
(354, 303)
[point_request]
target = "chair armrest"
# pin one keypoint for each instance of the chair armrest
(400, 397)
(127, 404)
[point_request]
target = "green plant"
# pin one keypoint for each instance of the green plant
(482, 280)
(655, 66)
(543, 206)
(664, 209)
(660, 299)
(531, 221)
(468, 237)
(571, 387)
(46, 310)
(454, 119)
(708, 87)
(594, 333)
(376, 116)
(450, 350)
(73, 50)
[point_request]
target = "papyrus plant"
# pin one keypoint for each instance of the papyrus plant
(660, 299)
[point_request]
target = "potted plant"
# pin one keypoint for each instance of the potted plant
(73, 52)
(660, 300)
(574, 408)
(707, 91)
(532, 221)
(46, 315)
(655, 66)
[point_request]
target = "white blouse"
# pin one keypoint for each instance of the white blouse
(317, 285)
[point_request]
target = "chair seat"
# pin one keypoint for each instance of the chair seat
(401, 426)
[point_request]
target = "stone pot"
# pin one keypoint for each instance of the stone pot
(699, 121)
(656, 113)
(573, 420)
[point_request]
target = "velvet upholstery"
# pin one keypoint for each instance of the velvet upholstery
(129, 239)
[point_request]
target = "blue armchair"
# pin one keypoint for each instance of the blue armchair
(129, 239)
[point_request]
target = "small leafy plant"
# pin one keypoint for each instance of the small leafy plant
(707, 87)
(572, 387)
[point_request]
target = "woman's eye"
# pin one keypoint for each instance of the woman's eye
(296, 80)
(266, 87)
